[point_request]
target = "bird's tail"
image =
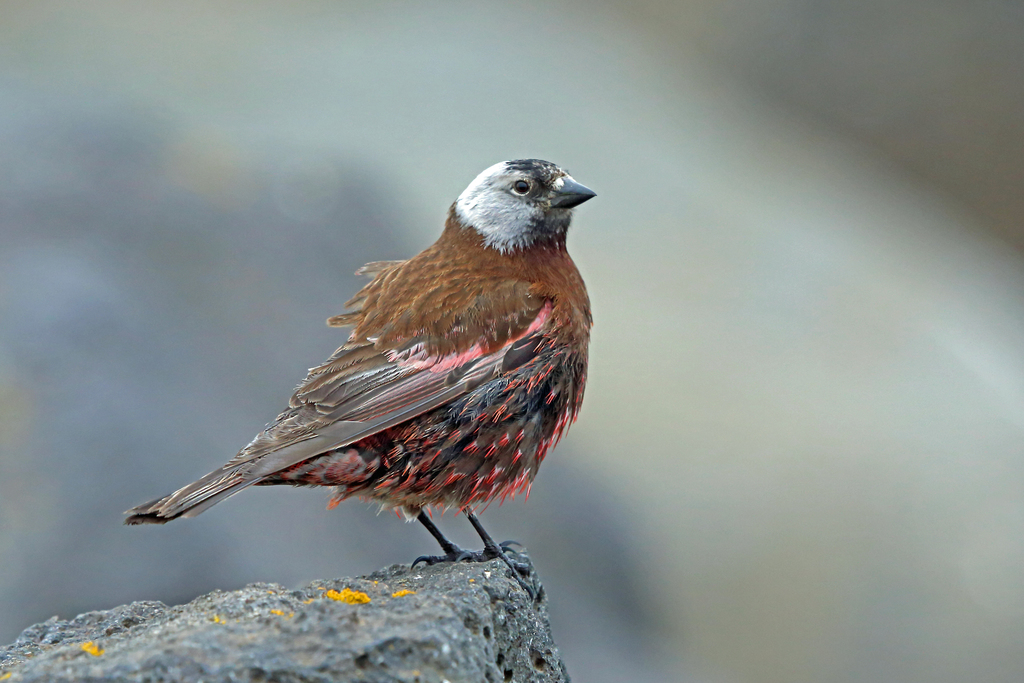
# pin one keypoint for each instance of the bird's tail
(191, 500)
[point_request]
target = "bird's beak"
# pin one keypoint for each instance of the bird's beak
(571, 194)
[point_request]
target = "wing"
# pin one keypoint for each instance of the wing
(366, 387)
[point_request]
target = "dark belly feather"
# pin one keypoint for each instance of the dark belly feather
(486, 444)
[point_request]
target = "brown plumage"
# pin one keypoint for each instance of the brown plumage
(465, 364)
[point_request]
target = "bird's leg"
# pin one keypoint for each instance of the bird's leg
(452, 552)
(492, 550)
(447, 546)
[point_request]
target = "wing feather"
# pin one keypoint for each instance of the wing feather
(356, 393)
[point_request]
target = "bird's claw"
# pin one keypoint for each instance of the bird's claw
(519, 569)
(431, 560)
(457, 555)
(425, 559)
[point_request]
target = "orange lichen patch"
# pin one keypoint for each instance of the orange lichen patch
(350, 596)
(403, 592)
(281, 613)
(308, 602)
(472, 580)
(93, 649)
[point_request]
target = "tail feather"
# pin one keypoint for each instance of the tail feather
(191, 500)
(241, 472)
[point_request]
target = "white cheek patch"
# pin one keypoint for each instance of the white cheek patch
(504, 220)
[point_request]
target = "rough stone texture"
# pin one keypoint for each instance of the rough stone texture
(465, 622)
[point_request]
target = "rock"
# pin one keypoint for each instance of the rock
(450, 622)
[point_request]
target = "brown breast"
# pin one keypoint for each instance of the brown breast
(458, 292)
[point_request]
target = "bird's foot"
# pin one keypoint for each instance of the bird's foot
(503, 550)
(491, 551)
(485, 555)
(520, 570)
(457, 554)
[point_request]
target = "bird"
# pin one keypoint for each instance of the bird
(465, 365)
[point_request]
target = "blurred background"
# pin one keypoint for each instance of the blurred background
(801, 457)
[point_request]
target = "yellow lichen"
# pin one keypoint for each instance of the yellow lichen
(281, 613)
(350, 596)
(307, 602)
(217, 619)
(403, 592)
(93, 649)
(5, 676)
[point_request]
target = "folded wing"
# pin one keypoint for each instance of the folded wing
(359, 391)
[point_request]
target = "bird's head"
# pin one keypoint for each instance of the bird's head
(516, 204)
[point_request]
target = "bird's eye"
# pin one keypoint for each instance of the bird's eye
(521, 186)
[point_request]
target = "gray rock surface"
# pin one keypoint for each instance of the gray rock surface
(461, 622)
